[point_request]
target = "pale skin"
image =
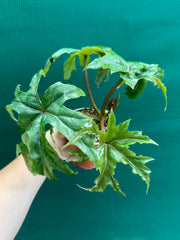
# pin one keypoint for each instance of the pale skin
(18, 188)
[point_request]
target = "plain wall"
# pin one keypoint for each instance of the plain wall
(147, 31)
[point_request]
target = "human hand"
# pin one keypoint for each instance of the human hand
(57, 141)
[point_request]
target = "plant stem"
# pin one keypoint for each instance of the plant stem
(109, 95)
(102, 124)
(88, 87)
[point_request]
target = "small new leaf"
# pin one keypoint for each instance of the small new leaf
(101, 73)
(70, 64)
(114, 103)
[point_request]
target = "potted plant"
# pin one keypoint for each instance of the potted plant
(99, 142)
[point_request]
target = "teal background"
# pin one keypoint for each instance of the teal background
(148, 31)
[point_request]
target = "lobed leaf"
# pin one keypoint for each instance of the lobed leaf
(106, 168)
(113, 148)
(34, 114)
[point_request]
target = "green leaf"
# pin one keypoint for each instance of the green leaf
(89, 50)
(133, 73)
(56, 55)
(137, 76)
(159, 75)
(139, 87)
(40, 156)
(110, 60)
(114, 148)
(80, 156)
(101, 73)
(107, 166)
(82, 59)
(34, 114)
(79, 135)
(70, 64)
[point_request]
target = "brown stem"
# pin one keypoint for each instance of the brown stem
(109, 95)
(102, 123)
(88, 87)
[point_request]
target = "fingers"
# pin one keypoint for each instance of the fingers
(57, 140)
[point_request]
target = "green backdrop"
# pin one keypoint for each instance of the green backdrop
(144, 30)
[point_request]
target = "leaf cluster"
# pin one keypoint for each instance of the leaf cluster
(34, 114)
(135, 75)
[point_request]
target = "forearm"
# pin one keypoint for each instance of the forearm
(18, 187)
